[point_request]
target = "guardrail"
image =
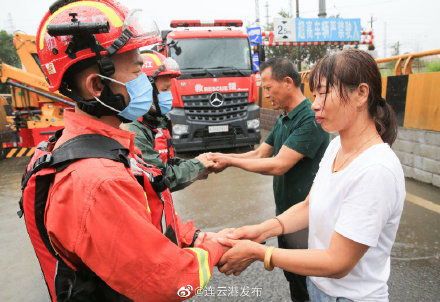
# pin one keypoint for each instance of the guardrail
(407, 58)
(407, 68)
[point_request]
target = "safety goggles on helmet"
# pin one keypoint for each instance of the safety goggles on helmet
(169, 65)
(156, 64)
(141, 26)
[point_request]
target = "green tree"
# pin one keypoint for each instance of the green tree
(8, 55)
(302, 56)
(434, 66)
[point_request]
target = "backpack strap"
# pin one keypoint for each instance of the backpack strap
(79, 147)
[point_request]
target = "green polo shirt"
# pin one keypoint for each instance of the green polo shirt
(298, 131)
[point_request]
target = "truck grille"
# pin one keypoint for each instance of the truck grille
(199, 109)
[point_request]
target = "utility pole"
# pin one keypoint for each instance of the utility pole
(290, 9)
(267, 14)
(257, 12)
(10, 24)
(322, 13)
(372, 19)
(298, 64)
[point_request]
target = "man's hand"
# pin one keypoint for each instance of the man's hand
(221, 161)
(203, 158)
(239, 257)
(212, 236)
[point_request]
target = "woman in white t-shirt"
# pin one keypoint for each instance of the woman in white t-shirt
(355, 204)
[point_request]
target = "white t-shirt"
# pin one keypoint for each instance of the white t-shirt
(362, 202)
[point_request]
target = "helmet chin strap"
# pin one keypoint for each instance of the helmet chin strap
(109, 103)
(155, 93)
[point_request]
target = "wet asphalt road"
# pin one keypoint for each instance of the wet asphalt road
(230, 199)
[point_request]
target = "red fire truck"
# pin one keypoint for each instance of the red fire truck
(214, 98)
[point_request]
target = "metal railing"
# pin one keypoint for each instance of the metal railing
(407, 58)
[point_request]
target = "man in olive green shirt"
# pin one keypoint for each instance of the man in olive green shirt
(291, 152)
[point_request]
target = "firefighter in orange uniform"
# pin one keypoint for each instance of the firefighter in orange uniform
(101, 220)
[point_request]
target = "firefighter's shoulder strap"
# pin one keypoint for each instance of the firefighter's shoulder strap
(80, 147)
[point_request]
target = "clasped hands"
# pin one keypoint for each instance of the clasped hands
(214, 162)
(240, 247)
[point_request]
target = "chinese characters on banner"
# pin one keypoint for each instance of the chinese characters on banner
(317, 30)
(323, 29)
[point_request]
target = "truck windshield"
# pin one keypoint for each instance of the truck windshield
(207, 53)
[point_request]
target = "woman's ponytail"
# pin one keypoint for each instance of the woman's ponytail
(385, 120)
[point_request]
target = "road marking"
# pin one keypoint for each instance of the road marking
(423, 203)
(13, 150)
(19, 154)
(31, 151)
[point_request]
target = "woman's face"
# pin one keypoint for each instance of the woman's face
(331, 110)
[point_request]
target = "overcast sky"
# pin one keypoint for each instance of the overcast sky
(415, 24)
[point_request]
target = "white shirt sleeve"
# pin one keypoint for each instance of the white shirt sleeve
(367, 205)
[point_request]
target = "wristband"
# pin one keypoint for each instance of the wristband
(267, 258)
(282, 225)
(196, 234)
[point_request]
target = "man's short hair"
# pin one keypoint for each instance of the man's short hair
(282, 67)
(70, 76)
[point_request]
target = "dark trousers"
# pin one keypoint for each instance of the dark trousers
(297, 283)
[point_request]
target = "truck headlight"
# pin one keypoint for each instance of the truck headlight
(179, 129)
(253, 124)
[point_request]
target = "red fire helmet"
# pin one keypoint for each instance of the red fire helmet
(156, 64)
(124, 31)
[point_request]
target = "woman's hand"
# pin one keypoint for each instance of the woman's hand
(256, 232)
(242, 254)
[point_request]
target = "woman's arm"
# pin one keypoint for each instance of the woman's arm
(294, 219)
(335, 262)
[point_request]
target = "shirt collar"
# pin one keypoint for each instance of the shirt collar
(77, 124)
(295, 110)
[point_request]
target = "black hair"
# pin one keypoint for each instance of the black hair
(345, 71)
(282, 67)
(69, 76)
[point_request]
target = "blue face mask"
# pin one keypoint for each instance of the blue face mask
(141, 97)
(165, 102)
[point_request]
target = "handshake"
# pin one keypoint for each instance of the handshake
(240, 247)
(214, 162)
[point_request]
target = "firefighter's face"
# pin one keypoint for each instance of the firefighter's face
(163, 83)
(128, 66)
(274, 91)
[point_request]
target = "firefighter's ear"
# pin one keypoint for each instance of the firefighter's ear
(94, 85)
